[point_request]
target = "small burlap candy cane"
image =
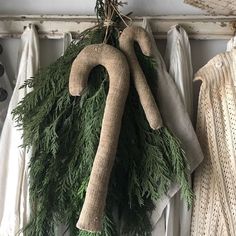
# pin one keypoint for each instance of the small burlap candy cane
(126, 41)
(169, 145)
(118, 70)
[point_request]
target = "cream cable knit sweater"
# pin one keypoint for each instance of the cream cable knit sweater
(214, 211)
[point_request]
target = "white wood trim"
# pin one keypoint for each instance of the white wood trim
(54, 26)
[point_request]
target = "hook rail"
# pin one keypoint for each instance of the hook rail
(202, 27)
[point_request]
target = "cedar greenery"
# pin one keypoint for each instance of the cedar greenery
(63, 132)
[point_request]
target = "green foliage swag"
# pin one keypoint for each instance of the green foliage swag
(63, 132)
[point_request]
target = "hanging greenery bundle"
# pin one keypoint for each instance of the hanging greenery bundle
(64, 132)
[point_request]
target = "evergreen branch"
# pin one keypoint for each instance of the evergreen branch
(64, 132)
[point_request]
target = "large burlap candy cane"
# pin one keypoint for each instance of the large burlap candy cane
(118, 69)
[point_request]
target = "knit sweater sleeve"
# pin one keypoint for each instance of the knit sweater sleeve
(214, 210)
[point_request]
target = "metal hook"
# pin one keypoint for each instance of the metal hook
(30, 26)
(178, 28)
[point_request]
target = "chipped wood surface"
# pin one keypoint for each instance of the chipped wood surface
(224, 7)
(54, 26)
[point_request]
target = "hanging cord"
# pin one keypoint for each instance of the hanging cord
(110, 10)
(121, 16)
(109, 13)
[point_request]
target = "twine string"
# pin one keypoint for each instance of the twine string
(111, 7)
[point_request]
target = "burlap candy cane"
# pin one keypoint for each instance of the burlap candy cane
(127, 39)
(118, 69)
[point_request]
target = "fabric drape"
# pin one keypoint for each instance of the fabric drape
(170, 102)
(14, 186)
(179, 64)
(231, 44)
(214, 211)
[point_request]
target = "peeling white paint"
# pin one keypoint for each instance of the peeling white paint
(54, 26)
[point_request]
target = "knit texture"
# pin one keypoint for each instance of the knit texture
(214, 211)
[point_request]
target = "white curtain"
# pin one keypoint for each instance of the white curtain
(179, 64)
